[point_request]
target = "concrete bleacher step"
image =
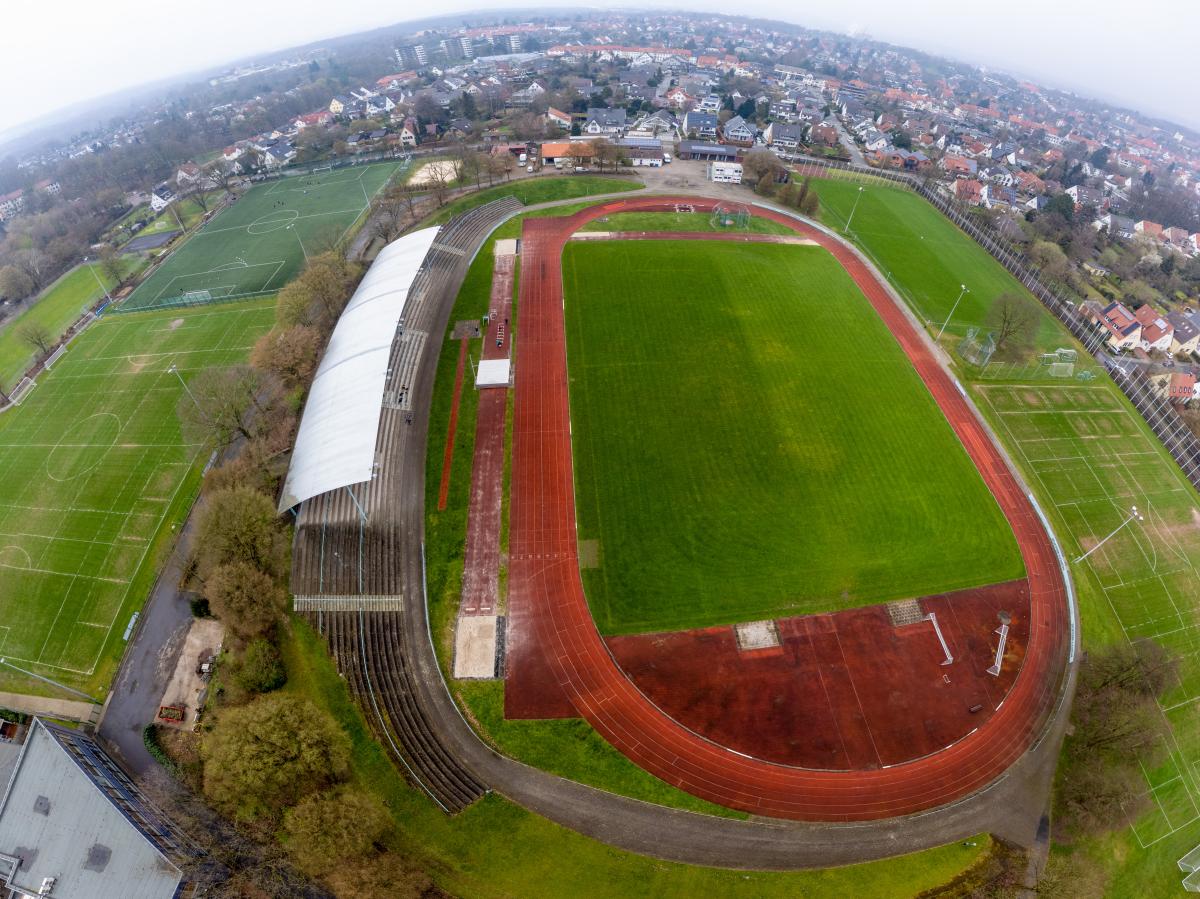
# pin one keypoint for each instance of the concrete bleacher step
(348, 603)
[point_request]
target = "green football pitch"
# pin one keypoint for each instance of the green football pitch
(92, 471)
(750, 442)
(926, 256)
(256, 245)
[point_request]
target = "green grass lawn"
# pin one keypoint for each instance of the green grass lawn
(925, 255)
(540, 189)
(497, 849)
(255, 246)
(679, 221)
(750, 442)
(59, 306)
(93, 474)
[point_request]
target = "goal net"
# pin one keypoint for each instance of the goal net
(22, 391)
(196, 297)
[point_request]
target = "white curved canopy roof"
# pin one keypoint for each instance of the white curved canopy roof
(335, 446)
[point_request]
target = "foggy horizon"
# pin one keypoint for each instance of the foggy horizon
(1072, 48)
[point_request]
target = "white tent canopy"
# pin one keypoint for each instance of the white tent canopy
(335, 446)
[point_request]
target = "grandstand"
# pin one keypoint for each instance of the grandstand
(357, 541)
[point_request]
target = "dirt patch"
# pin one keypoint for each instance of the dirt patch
(466, 330)
(1031, 398)
(589, 553)
(175, 324)
(431, 171)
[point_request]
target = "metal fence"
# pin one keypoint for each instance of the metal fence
(1159, 414)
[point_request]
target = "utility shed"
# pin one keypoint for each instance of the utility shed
(73, 827)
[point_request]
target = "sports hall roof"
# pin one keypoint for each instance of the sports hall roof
(335, 446)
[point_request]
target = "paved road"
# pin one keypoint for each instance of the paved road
(149, 662)
(1011, 807)
(848, 142)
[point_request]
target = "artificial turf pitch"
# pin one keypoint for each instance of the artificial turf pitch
(259, 243)
(92, 469)
(750, 442)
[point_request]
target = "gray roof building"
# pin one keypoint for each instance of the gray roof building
(72, 826)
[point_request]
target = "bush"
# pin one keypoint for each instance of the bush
(150, 740)
(333, 828)
(260, 669)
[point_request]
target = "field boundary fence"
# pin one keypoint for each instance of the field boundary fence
(1159, 415)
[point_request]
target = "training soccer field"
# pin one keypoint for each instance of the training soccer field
(750, 442)
(925, 255)
(92, 470)
(256, 245)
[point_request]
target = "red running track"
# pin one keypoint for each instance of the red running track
(559, 640)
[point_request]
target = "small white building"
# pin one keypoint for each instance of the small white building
(725, 172)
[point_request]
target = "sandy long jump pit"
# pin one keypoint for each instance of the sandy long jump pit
(430, 171)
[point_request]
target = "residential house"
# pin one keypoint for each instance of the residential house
(49, 186)
(1150, 229)
(959, 166)
(189, 173)
(11, 204)
(739, 132)
(825, 134)
(1177, 387)
(875, 141)
(606, 122)
(1123, 328)
(781, 136)
(701, 125)
(968, 190)
(1185, 335)
(678, 98)
(1083, 196)
(342, 105)
(559, 118)
(1117, 225)
(409, 133)
(161, 197)
(1157, 331)
(644, 156)
(1176, 236)
(711, 104)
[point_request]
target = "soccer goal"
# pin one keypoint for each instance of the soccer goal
(22, 391)
(196, 297)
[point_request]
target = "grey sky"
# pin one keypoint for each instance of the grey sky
(66, 52)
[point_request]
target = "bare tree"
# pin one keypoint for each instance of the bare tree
(223, 404)
(37, 336)
(438, 182)
(110, 264)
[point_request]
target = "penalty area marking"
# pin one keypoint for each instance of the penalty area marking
(272, 221)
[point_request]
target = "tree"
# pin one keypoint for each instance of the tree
(260, 669)
(294, 304)
(14, 283)
(329, 830)
(223, 404)
(811, 204)
(237, 525)
(290, 353)
(1013, 319)
(245, 598)
(760, 161)
(385, 874)
(269, 754)
(111, 265)
(37, 336)
(1050, 258)
(766, 185)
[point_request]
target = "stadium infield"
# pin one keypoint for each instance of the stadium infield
(736, 458)
(557, 645)
(93, 472)
(256, 245)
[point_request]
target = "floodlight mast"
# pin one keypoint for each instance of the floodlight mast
(175, 371)
(961, 294)
(1133, 513)
(853, 209)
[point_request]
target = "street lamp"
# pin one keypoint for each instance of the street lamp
(1133, 513)
(857, 197)
(961, 294)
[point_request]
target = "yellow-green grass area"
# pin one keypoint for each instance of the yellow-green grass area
(497, 849)
(751, 442)
(259, 243)
(570, 748)
(94, 477)
(681, 221)
(541, 189)
(1090, 458)
(55, 310)
(926, 257)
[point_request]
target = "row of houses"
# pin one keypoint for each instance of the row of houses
(1146, 329)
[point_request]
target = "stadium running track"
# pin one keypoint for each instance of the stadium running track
(553, 639)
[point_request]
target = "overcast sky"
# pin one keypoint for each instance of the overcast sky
(64, 52)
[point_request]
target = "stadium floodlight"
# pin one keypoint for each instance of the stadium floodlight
(87, 261)
(175, 371)
(961, 294)
(857, 197)
(1133, 514)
